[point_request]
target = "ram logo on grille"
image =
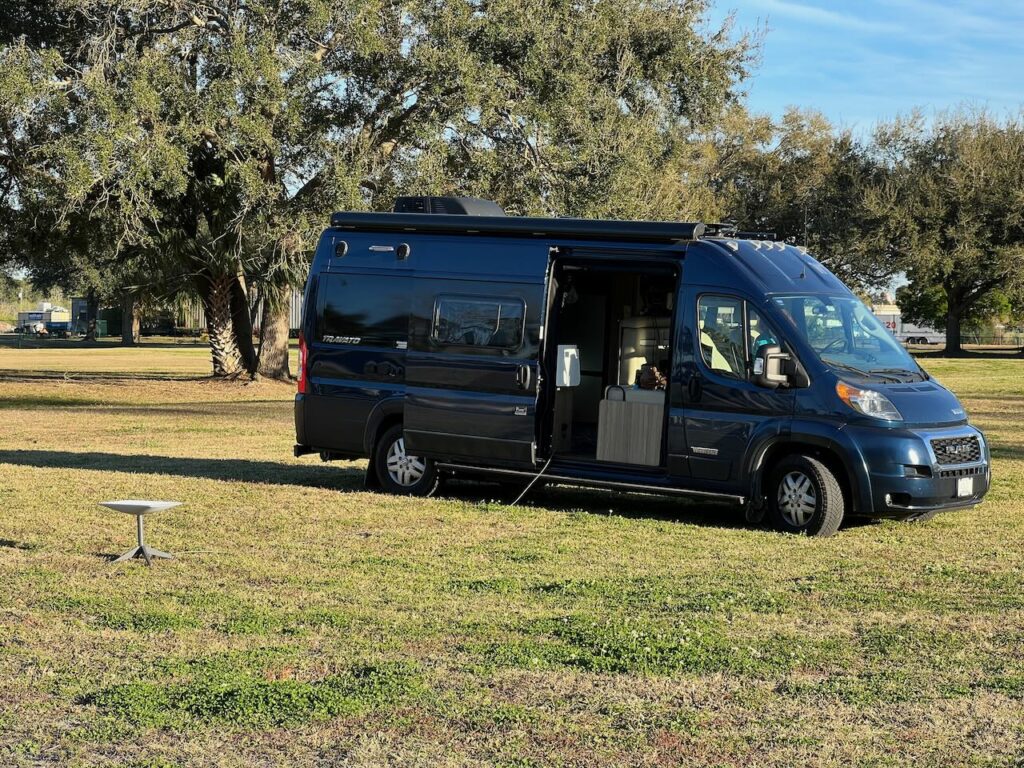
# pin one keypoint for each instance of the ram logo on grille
(957, 450)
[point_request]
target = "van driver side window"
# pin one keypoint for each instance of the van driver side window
(729, 340)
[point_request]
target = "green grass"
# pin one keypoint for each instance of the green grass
(250, 700)
(306, 621)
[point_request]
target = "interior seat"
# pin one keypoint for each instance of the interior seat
(719, 362)
(631, 363)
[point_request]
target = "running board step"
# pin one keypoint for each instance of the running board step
(587, 482)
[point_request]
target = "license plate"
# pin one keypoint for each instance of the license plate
(965, 486)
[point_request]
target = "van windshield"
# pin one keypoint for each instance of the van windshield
(849, 338)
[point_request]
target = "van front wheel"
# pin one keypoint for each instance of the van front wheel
(401, 472)
(805, 497)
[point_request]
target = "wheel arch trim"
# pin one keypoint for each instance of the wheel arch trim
(844, 458)
(384, 411)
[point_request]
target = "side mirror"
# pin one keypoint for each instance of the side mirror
(567, 373)
(770, 367)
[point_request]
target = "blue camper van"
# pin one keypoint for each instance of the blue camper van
(447, 339)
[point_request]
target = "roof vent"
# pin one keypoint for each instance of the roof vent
(458, 206)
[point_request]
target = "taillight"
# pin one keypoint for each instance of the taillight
(303, 357)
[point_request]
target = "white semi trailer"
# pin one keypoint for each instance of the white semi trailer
(908, 333)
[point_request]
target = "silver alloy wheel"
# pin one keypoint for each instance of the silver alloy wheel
(797, 499)
(405, 469)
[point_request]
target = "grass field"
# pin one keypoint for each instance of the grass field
(308, 622)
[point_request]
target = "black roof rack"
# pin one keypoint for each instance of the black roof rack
(755, 236)
(729, 230)
(464, 206)
(520, 226)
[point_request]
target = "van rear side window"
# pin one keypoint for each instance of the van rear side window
(479, 322)
(363, 309)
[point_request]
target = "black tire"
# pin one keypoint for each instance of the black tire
(418, 482)
(805, 497)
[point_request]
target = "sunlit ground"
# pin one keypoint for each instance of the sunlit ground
(307, 621)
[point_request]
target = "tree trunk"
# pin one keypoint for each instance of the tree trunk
(224, 350)
(242, 324)
(131, 319)
(274, 328)
(255, 307)
(953, 348)
(92, 310)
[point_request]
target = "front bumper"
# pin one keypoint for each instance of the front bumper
(906, 478)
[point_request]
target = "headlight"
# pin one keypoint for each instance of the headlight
(867, 401)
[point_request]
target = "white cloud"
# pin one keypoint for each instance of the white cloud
(811, 14)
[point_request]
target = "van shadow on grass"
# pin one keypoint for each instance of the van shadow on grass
(562, 498)
(689, 510)
(237, 470)
(600, 502)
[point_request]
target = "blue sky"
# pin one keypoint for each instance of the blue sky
(861, 62)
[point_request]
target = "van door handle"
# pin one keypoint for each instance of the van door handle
(693, 389)
(523, 376)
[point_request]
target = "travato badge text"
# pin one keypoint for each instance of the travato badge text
(343, 339)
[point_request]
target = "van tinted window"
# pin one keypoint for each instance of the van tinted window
(479, 322)
(363, 309)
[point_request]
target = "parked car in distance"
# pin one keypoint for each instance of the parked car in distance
(447, 339)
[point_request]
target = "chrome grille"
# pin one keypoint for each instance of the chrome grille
(957, 450)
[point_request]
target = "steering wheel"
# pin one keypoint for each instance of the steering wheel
(831, 344)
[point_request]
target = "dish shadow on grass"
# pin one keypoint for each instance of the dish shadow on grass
(238, 470)
(12, 544)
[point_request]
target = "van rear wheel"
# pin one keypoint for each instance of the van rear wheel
(399, 471)
(805, 497)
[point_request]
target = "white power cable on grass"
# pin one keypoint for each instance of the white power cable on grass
(526, 490)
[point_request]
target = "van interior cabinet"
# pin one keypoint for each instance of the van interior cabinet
(562, 437)
(629, 426)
